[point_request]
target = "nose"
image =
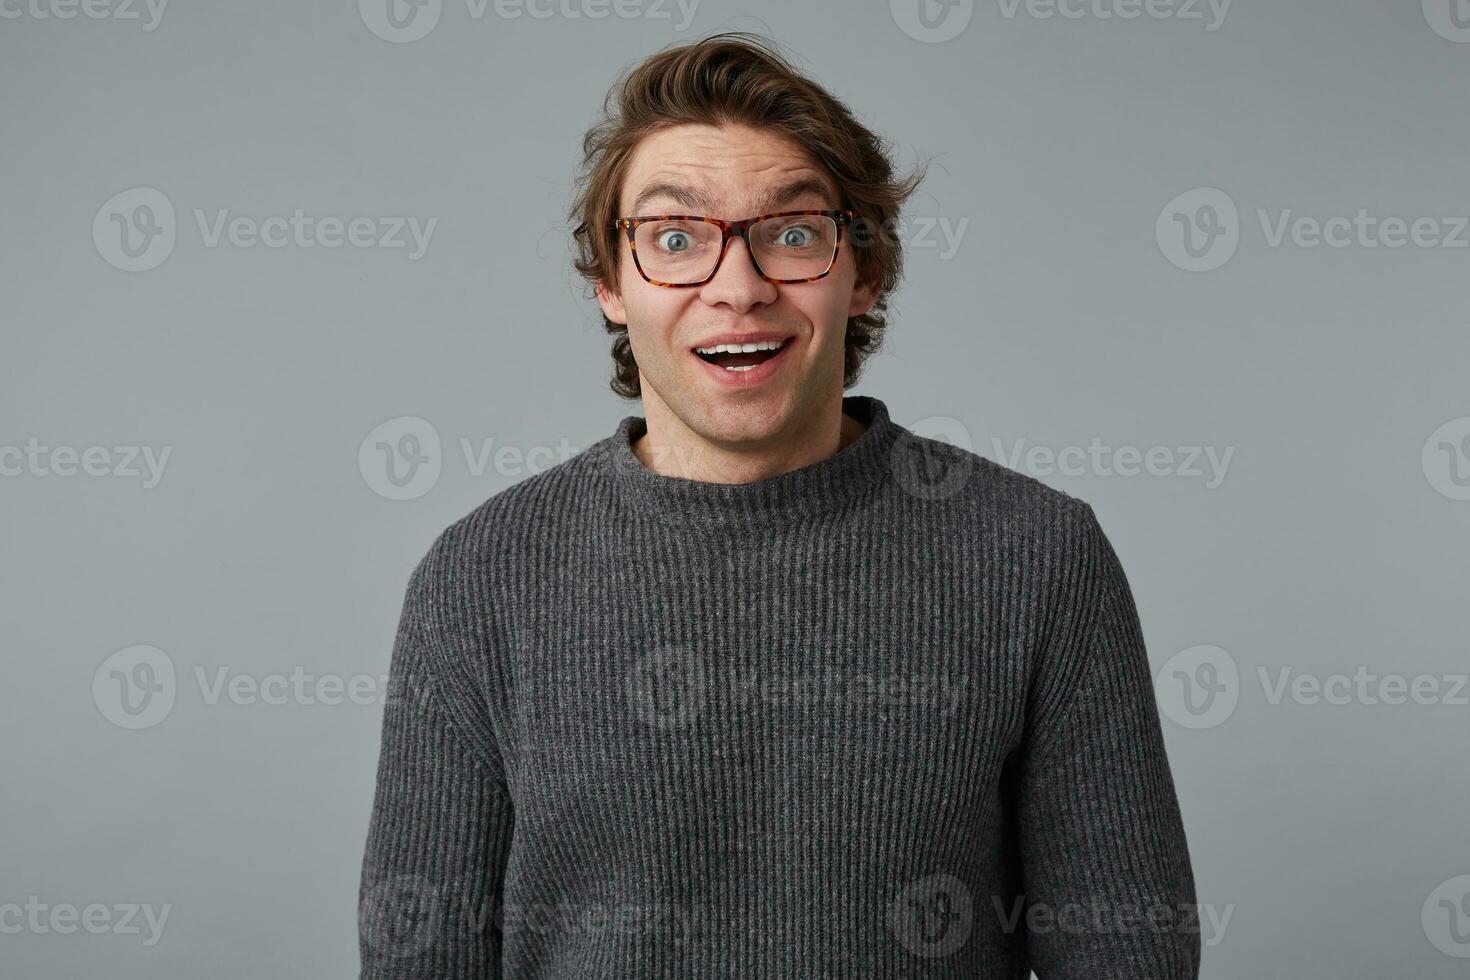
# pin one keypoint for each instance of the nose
(737, 283)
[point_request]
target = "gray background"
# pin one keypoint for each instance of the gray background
(1332, 834)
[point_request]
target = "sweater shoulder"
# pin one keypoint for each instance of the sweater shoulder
(531, 509)
(992, 493)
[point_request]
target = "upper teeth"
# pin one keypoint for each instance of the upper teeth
(741, 348)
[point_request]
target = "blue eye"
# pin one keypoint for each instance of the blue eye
(673, 241)
(802, 236)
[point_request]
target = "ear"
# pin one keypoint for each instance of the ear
(611, 303)
(864, 295)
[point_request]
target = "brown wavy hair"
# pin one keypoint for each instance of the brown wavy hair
(739, 78)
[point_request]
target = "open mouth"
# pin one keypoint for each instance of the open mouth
(742, 357)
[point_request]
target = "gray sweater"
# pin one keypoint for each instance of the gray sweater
(887, 715)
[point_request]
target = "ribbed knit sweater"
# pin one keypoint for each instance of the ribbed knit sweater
(886, 715)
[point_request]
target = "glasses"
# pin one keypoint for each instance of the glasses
(686, 249)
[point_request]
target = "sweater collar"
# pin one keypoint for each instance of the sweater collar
(818, 487)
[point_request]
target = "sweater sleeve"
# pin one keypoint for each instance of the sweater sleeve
(1110, 892)
(441, 820)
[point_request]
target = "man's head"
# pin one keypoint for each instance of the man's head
(726, 128)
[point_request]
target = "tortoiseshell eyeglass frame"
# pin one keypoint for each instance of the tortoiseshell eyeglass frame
(730, 229)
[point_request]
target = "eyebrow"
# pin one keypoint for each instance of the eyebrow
(769, 199)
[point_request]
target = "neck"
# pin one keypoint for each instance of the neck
(860, 463)
(669, 447)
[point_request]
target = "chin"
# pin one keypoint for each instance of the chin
(751, 420)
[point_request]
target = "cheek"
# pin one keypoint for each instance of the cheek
(652, 313)
(826, 308)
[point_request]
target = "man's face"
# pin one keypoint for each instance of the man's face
(733, 172)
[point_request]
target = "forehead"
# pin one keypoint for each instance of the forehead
(729, 170)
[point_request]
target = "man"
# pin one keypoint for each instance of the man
(764, 684)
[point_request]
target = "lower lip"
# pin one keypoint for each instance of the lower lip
(762, 372)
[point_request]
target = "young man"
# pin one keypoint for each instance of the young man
(764, 684)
